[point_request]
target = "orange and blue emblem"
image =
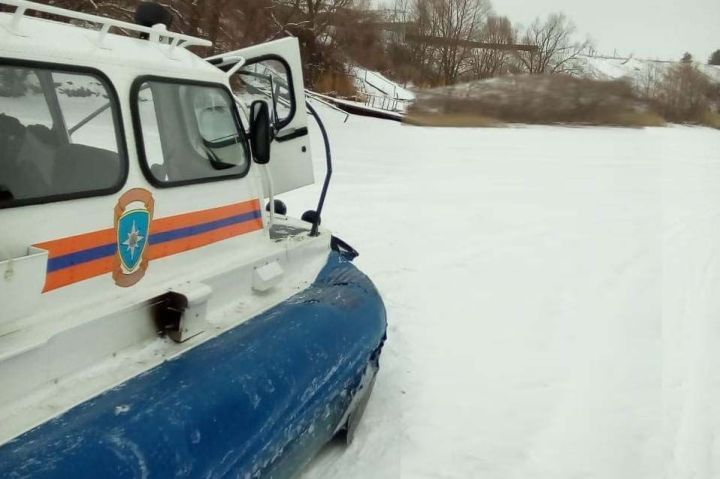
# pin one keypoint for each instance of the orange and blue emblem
(133, 215)
(135, 237)
(138, 238)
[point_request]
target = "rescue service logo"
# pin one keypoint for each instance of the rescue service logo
(133, 215)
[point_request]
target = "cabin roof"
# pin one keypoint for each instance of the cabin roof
(42, 40)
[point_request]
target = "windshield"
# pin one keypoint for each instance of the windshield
(190, 132)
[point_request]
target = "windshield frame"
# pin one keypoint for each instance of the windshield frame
(140, 144)
(290, 86)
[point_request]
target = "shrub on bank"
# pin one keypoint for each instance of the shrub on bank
(337, 84)
(686, 95)
(538, 99)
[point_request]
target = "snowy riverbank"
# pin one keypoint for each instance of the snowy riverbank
(552, 296)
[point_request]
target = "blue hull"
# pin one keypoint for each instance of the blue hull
(259, 400)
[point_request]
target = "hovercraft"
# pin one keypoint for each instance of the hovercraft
(155, 319)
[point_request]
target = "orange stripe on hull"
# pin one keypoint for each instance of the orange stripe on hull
(64, 277)
(73, 244)
(185, 244)
(90, 269)
(205, 216)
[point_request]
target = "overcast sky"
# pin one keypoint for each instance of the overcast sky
(662, 29)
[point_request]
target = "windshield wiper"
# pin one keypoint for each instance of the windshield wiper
(5, 194)
(94, 114)
(215, 161)
(88, 118)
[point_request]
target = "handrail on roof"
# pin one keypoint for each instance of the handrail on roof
(154, 34)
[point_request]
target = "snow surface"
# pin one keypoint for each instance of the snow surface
(552, 298)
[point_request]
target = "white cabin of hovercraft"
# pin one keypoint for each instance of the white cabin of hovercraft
(129, 201)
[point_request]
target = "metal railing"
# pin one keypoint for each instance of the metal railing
(386, 103)
(155, 35)
(387, 100)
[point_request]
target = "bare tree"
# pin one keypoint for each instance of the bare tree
(491, 62)
(440, 31)
(232, 24)
(455, 22)
(227, 23)
(557, 51)
(313, 23)
(648, 83)
(687, 95)
(359, 38)
(412, 61)
(714, 58)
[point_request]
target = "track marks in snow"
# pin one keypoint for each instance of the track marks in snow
(551, 295)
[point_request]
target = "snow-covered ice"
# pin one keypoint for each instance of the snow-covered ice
(553, 299)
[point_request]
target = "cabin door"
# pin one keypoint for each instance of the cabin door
(273, 72)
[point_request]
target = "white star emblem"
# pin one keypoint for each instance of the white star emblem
(133, 240)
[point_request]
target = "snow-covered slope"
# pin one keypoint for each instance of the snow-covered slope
(378, 92)
(374, 83)
(608, 68)
(552, 298)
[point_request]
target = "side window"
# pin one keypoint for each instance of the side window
(59, 136)
(267, 79)
(86, 106)
(189, 132)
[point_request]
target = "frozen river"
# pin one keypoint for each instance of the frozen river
(553, 299)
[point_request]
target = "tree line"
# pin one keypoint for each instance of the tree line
(335, 32)
(467, 23)
(423, 42)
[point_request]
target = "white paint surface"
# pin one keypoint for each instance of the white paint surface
(552, 295)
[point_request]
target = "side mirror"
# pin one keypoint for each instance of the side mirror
(260, 131)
